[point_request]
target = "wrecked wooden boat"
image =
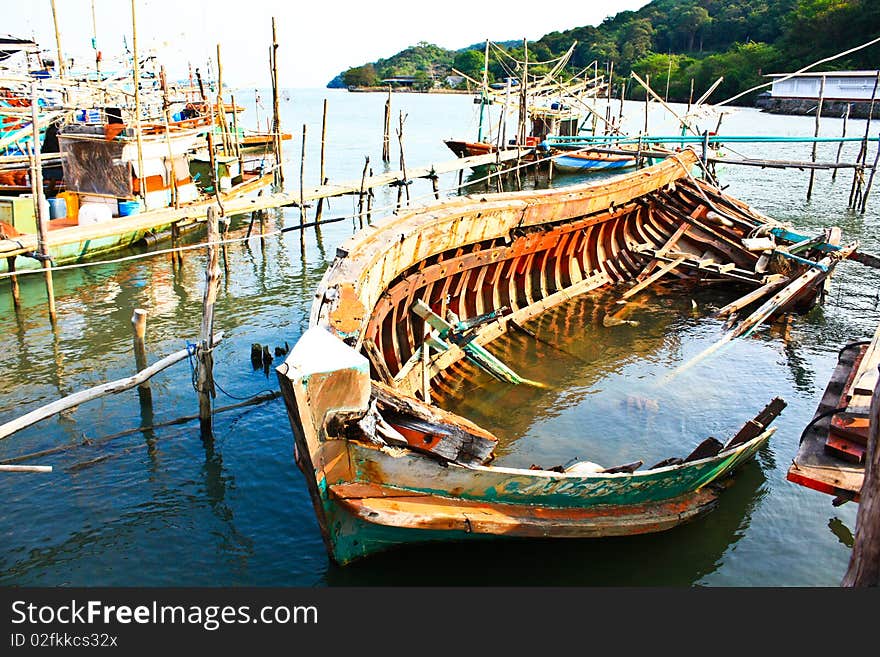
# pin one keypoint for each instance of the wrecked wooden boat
(411, 298)
(834, 445)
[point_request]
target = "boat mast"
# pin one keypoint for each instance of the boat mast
(95, 42)
(142, 178)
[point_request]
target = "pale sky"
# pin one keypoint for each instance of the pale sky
(317, 39)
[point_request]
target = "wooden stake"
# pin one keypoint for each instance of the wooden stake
(840, 145)
(166, 110)
(816, 134)
(323, 180)
(204, 350)
(370, 202)
(864, 562)
(37, 192)
(386, 134)
(13, 280)
(139, 331)
(647, 100)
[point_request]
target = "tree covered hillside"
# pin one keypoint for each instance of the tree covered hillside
(682, 40)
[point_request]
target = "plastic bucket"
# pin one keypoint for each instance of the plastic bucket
(57, 208)
(128, 208)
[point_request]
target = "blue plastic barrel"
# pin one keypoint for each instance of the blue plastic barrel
(57, 208)
(128, 208)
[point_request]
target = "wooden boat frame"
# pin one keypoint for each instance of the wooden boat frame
(385, 467)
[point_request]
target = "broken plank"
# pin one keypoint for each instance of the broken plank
(752, 296)
(661, 271)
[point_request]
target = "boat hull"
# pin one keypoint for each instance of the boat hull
(369, 452)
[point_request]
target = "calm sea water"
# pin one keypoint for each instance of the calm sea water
(157, 507)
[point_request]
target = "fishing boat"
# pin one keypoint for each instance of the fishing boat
(415, 301)
(585, 161)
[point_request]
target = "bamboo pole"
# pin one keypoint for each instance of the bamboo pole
(205, 348)
(319, 212)
(166, 110)
(840, 145)
(608, 105)
(302, 168)
(25, 468)
(95, 43)
(62, 69)
(276, 114)
(139, 331)
(647, 99)
(221, 109)
(78, 398)
(361, 194)
(37, 192)
(237, 142)
(859, 172)
(870, 181)
(386, 134)
(816, 134)
(404, 183)
(370, 201)
(136, 72)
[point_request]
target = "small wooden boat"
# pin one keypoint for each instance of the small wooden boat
(468, 148)
(589, 160)
(415, 301)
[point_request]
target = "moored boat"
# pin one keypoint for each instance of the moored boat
(585, 161)
(407, 303)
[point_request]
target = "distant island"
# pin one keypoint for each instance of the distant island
(675, 42)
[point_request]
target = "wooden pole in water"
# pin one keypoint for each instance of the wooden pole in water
(864, 563)
(204, 350)
(136, 73)
(647, 100)
(276, 114)
(62, 69)
(840, 145)
(319, 212)
(302, 169)
(139, 331)
(370, 201)
(361, 194)
(13, 280)
(386, 134)
(816, 134)
(870, 180)
(608, 105)
(37, 192)
(404, 183)
(859, 172)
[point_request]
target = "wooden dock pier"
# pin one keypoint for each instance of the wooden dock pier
(195, 213)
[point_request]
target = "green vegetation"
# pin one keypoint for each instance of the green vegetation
(673, 41)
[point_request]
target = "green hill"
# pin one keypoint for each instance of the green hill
(682, 40)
